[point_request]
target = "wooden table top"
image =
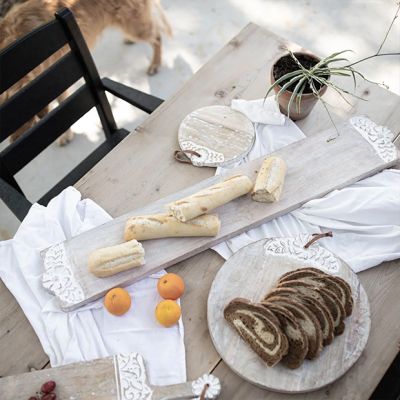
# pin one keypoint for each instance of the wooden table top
(142, 169)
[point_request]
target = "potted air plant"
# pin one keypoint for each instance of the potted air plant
(300, 79)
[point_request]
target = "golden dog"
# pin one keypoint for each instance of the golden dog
(140, 20)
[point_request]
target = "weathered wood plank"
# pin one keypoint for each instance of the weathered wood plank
(125, 172)
(315, 167)
(20, 349)
(122, 376)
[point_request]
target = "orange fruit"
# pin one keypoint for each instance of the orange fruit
(168, 313)
(171, 286)
(117, 301)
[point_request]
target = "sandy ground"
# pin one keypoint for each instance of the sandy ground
(201, 28)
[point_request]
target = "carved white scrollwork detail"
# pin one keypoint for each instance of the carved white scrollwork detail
(58, 277)
(131, 379)
(315, 255)
(379, 137)
(207, 156)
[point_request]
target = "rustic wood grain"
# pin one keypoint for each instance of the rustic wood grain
(112, 378)
(251, 273)
(315, 167)
(220, 136)
(20, 349)
(122, 181)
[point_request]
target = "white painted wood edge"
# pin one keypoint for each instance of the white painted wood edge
(378, 136)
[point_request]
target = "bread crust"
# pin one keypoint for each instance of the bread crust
(270, 179)
(243, 323)
(163, 225)
(109, 261)
(297, 339)
(210, 198)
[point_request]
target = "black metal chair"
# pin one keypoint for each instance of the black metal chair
(23, 56)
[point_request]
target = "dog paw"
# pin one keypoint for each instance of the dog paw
(65, 138)
(129, 41)
(153, 69)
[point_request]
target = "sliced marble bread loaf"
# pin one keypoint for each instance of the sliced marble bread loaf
(324, 296)
(259, 328)
(297, 338)
(317, 307)
(318, 278)
(307, 321)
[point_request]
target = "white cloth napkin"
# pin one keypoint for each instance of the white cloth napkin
(364, 217)
(89, 332)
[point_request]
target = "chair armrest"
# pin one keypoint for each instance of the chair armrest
(139, 99)
(14, 200)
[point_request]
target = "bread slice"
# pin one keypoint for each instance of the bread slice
(324, 296)
(298, 342)
(307, 321)
(316, 306)
(259, 328)
(339, 286)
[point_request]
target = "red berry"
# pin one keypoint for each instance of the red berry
(49, 396)
(48, 387)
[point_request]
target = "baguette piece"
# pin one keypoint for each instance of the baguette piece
(111, 260)
(212, 197)
(269, 182)
(164, 225)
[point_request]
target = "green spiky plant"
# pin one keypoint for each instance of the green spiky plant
(319, 75)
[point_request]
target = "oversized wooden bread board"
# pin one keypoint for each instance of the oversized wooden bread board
(251, 273)
(316, 166)
(119, 377)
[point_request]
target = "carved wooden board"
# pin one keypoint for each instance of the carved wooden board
(251, 273)
(120, 377)
(220, 135)
(316, 166)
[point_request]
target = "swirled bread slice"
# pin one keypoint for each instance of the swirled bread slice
(319, 278)
(259, 328)
(307, 321)
(298, 342)
(323, 295)
(317, 307)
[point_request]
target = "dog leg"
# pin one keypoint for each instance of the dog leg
(156, 61)
(65, 138)
(68, 135)
(21, 130)
(41, 114)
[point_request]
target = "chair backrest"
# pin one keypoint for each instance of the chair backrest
(24, 55)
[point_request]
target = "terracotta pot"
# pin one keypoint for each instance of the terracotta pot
(308, 100)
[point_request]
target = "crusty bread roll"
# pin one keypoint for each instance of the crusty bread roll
(269, 182)
(111, 260)
(212, 197)
(164, 225)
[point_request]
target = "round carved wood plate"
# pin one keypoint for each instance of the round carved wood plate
(251, 273)
(220, 135)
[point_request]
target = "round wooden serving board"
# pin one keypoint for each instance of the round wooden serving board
(219, 134)
(252, 272)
